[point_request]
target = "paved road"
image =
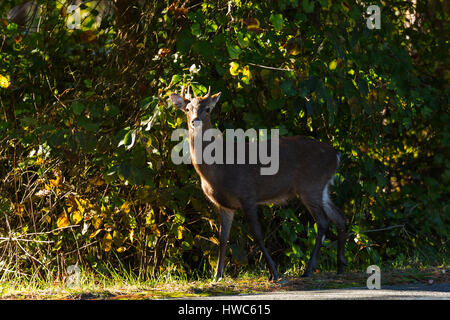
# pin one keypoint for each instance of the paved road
(409, 292)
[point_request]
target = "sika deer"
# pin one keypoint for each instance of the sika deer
(306, 168)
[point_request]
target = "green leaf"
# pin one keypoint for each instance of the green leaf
(128, 140)
(176, 78)
(277, 21)
(234, 51)
(276, 104)
(78, 107)
(308, 6)
(287, 87)
(243, 41)
(363, 87)
(88, 83)
(196, 29)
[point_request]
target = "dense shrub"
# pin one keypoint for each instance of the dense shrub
(85, 128)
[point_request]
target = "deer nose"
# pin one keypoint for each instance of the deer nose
(196, 123)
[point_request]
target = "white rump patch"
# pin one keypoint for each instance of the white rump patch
(325, 195)
(326, 199)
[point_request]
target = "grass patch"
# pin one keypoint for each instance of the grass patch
(129, 286)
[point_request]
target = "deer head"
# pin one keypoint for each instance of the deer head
(197, 109)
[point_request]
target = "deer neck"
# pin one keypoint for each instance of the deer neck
(207, 172)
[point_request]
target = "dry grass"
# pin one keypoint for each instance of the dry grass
(92, 287)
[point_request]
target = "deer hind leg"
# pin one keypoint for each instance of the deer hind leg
(226, 220)
(251, 214)
(338, 218)
(314, 207)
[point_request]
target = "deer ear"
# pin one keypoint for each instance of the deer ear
(178, 101)
(214, 99)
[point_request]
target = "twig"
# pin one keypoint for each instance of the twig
(29, 255)
(51, 231)
(3, 239)
(377, 230)
(85, 246)
(384, 229)
(270, 68)
(36, 233)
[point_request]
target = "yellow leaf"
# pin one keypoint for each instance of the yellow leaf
(131, 235)
(246, 75)
(96, 222)
(332, 65)
(155, 230)
(234, 68)
(107, 241)
(214, 240)
(125, 207)
(97, 181)
(93, 234)
(180, 232)
(39, 161)
(80, 204)
(77, 216)
(88, 36)
(252, 23)
(4, 81)
(62, 220)
(55, 182)
(19, 208)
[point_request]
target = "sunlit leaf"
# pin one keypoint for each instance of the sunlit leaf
(180, 230)
(96, 222)
(97, 181)
(252, 24)
(234, 51)
(125, 207)
(62, 221)
(155, 230)
(77, 216)
(107, 242)
(93, 234)
(234, 68)
(332, 65)
(4, 81)
(19, 208)
(277, 21)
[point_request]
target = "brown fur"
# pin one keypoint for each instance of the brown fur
(306, 167)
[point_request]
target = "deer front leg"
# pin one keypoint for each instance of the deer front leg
(226, 220)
